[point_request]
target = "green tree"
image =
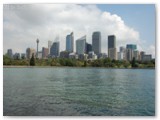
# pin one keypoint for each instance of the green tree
(32, 61)
(133, 62)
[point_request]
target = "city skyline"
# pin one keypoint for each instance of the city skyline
(45, 29)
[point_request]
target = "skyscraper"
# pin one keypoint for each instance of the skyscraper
(130, 51)
(81, 45)
(131, 46)
(88, 47)
(70, 42)
(112, 52)
(54, 51)
(9, 53)
(96, 42)
(49, 46)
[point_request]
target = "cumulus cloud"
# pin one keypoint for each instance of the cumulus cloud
(23, 24)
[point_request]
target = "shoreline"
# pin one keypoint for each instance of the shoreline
(12, 66)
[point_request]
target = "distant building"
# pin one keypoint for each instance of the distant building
(131, 46)
(9, 53)
(122, 53)
(136, 55)
(45, 52)
(73, 56)
(39, 54)
(49, 46)
(111, 41)
(96, 42)
(64, 54)
(129, 54)
(147, 58)
(81, 45)
(30, 52)
(102, 55)
(88, 47)
(23, 56)
(16, 56)
(112, 51)
(70, 42)
(54, 51)
(142, 53)
(82, 56)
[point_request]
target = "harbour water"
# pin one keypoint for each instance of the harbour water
(78, 91)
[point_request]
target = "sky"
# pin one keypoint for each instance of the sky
(130, 23)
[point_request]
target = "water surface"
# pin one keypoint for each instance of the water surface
(78, 91)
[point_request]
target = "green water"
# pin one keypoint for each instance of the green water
(78, 91)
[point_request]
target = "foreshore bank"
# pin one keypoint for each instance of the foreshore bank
(11, 66)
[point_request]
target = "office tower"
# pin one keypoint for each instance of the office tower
(81, 45)
(112, 51)
(70, 42)
(131, 46)
(45, 52)
(142, 53)
(9, 53)
(37, 41)
(147, 58)
(54, 51)
(39, 54)
(29, 52)
(88, 47)
(129, 54)
(96, 42)
(49, 46)
(136, 55)
(122, 53)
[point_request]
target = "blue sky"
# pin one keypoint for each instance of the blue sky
(139, 16)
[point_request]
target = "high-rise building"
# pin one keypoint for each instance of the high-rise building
(96, 42)
(70, 42)
(142, 53)
(30, 52)
(49, 46)
(136, 55)
(112, 51)
(81, 45)
(129, 54)
(131, 46)
(122, 53)
(9, 53)
(130, 51)
(54, 51)
(111, 41)
(88, 47)
(45, 52)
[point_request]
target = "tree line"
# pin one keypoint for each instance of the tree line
(107, 62)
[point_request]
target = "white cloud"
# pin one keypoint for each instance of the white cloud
(23, 24)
